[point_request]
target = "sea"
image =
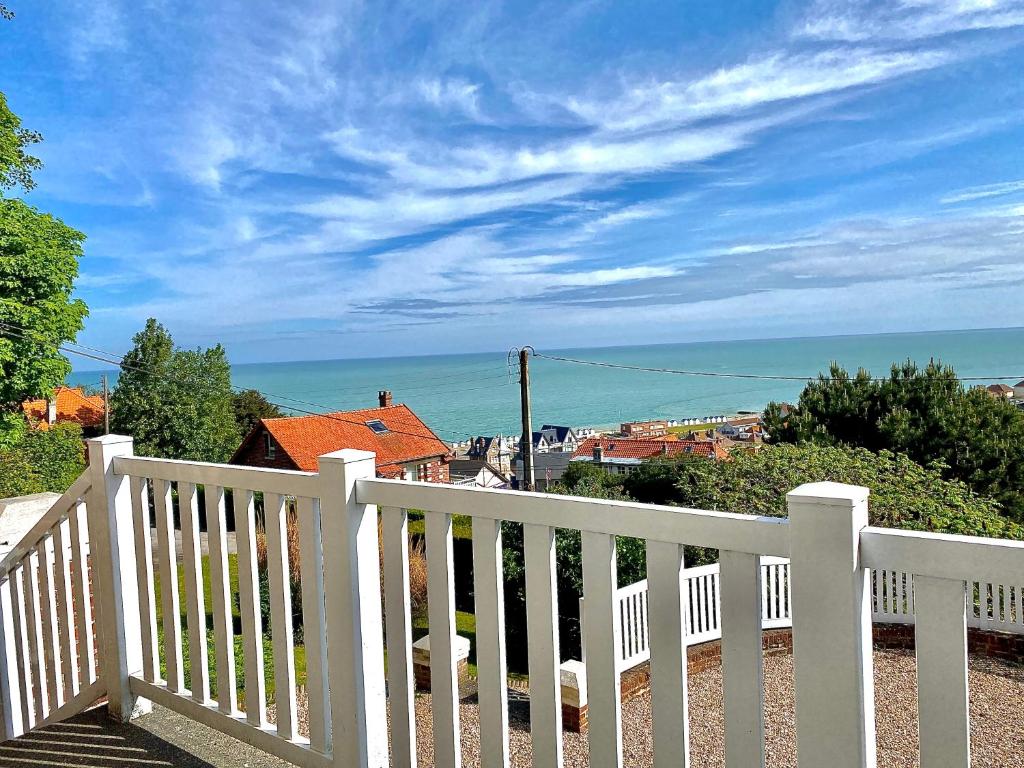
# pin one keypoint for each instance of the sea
(463, 395)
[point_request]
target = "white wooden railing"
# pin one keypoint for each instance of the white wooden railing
(826, 591)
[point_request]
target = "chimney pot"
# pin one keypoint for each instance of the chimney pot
(598, 453)
(384, 397)
(51, 411)
(664, 449)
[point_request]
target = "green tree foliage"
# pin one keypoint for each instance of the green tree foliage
(43, 460)
(175, 403)
(16, 164)
(924, 413)
(250, 406)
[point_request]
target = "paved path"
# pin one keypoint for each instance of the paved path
(162, 739)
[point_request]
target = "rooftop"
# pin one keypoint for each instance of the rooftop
(73, 405)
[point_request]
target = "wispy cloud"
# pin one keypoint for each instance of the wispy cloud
(983, 191)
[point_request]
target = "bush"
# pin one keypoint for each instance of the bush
(42, 460)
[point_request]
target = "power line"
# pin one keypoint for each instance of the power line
(723, 375)
(6, 328)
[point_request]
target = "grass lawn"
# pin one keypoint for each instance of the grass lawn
(462, 525)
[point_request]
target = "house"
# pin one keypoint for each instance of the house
(1018, 390)
(643, 429)
(548, 469)
(541, 443)
(497, 451)
(68, 405)
(405, 447)
(556, 439)
(622, 455)
(476, 472)
(1001, 391)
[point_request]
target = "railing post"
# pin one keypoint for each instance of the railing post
(831, 599)
(116, 591)
(355, 638)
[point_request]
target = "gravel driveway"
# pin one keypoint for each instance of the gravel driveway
(997, 717)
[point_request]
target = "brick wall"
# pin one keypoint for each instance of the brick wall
(254, 454)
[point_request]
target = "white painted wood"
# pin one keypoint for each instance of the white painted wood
(78, 523)
(283, 481)
(941, 555)
(742, 659)
(170, 600)
(65, 609)
(30, 568)
(249, 607)
(81, 701)
(444, 679)
(942, 690)
(220, 598)
(237, 726)
(719, 530)
(835, 715)
(281, 613)
(491, 659)
(401, 686)
(355, 657)
(112, 543)
(48, 615)
(20, 642)
(195, 600)
(668, 655)
(11, 724)
(604, 644)
(542, 642)
(43, 525)
(144, 578)
(311, 556)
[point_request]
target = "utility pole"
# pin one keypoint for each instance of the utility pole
(527, 444)
(106, 406)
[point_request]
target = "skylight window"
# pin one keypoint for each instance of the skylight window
(378, 426)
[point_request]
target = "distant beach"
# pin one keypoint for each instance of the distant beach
(463, 395)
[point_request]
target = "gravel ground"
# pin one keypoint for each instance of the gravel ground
(997, 719)
(997, 714)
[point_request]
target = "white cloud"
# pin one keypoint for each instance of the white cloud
(909, 19)
(983, 191)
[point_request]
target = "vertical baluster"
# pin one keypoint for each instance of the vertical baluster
(21, 651)
(542, 645)
(48, 612)
(169, 597)
(281, 613)
(668, 594)
(398, 615)
(82, 589)
(444, 684)
(765, 613)
(742, 659)
(716, 582)
(489, 594)
(11, 725)
(195, 599)
(147, 600)
(603, 694)
(65, 609)
(30, 567)
(942, 691)
(311, 557)
(773, 610)
(220, 597)
(249, 606)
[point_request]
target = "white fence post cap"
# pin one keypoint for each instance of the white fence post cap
(350, 455)
(829, 493)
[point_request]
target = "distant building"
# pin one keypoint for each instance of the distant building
(1018, 390)
(644, 429)
(556, 439)
(623, 455)
(497, 451)
(476, 472)
(548, 469)
(405, 447)
(67, 405)
(1001, 391)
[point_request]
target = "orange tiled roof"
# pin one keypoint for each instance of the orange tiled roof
(72, 405)
(625, 448)
(305, 438)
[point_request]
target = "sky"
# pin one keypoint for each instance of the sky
(312, 180)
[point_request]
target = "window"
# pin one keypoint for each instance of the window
(378, 426)
(268, 444)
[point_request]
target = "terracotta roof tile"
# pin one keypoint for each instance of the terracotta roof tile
(72, 405)
(305, 438)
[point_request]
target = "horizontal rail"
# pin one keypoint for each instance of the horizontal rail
(283, 481)
(57, 512)
(264, 738)
(679, 525)
(943, 556)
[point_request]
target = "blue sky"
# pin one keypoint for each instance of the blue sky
(309, 180)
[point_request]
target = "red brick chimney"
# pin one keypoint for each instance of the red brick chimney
(384, 397)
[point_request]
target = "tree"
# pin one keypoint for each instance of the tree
(175, 403)
(16, 165)
(43, 460)
(926, 414)
(250, 406)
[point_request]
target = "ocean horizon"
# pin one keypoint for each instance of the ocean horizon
(460, 395)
